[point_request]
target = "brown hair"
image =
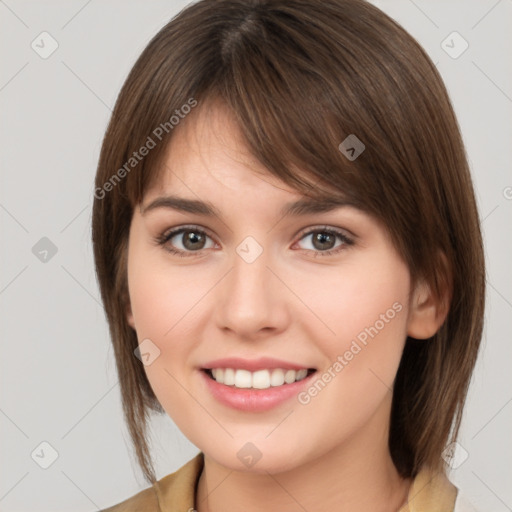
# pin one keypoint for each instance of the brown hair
(300, 76)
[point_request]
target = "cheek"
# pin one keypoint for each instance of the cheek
(161, 306)
(354, 299)
(364, 310)
(160, 299)
(368, 313)
(166, 305)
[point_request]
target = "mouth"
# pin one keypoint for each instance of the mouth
(260, 379)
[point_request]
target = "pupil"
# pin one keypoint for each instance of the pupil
(324, 240)
(191, 238)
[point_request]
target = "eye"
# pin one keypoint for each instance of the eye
(186, 240)
(326, 241)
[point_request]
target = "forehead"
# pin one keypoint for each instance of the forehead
(208, 154)
(208, 168)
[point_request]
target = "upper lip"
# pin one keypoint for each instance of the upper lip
(252, 365)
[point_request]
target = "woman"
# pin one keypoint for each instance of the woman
(289, 255)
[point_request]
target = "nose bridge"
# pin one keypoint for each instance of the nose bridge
(249, 280)
(250, 299)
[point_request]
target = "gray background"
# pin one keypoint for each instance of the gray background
(58, 378)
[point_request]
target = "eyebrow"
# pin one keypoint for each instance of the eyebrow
(296, 208)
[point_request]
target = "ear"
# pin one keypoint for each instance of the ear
(428, 311)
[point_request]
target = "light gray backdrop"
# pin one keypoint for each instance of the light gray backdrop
(58, 380)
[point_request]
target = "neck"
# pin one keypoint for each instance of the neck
(358, 475)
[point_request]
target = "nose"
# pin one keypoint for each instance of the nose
(251, 300)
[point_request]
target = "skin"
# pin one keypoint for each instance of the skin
(291, 303)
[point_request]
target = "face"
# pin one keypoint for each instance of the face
(272, 291)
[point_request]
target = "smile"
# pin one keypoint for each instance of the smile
(261, 379)
(245, 395)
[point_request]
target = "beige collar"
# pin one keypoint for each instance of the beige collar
(429, 492)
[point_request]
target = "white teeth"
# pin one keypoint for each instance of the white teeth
(301, 374)
(261, 379)
(277, 377)
(229, 377)
(243, 379)
(289, 376)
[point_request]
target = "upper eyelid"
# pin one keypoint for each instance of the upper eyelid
(176, 231)
(326, 227)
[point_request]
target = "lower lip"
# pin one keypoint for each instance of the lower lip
(254, 400)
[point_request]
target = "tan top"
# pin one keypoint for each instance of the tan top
(176, 492)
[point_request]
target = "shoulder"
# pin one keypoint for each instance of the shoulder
(431, 491)
(462, 504)
(175, 491)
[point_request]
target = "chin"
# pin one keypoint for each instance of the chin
(250, 457)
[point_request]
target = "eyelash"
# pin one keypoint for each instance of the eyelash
(166, 236)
